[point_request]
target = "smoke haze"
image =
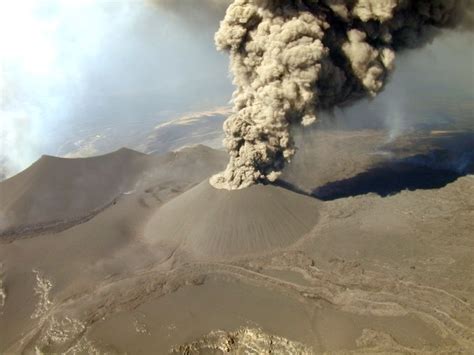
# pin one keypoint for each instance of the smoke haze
(431, 89)
(69, 65)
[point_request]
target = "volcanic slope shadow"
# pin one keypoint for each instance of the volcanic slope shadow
(448, 159)
(211, 223)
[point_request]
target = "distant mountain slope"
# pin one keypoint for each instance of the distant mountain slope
(57, 191)
(195, 128)
(188, 129)
(54, 189)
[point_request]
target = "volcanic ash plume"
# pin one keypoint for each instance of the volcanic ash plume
(291, 59)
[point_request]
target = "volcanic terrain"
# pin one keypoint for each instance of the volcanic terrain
(370, 250)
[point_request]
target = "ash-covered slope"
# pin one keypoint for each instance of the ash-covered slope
(58, 193)
(207, 222)
(184, 167)
(172, 266)
(56, 189)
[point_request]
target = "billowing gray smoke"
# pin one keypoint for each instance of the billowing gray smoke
(293, 58)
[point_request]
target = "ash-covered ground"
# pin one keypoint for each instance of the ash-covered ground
(364, 245)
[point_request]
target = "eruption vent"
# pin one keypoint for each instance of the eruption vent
(291, 59)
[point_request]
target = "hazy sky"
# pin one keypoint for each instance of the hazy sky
(72, 63)
(68, 62)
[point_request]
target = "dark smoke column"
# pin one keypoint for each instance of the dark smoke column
(291, 59)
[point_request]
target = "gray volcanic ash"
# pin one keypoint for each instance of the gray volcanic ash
(361, 246)
(209, 223)
(263, 267)
(291, 59)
